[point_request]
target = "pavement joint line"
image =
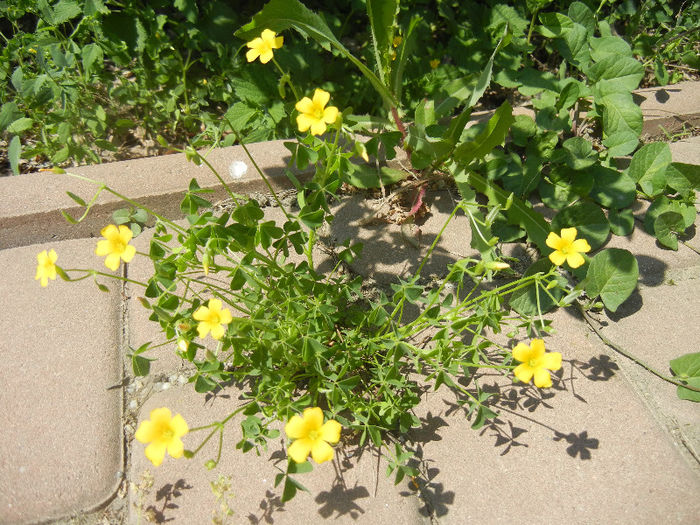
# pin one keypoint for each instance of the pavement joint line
(636, 374)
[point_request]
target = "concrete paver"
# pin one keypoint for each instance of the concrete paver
(60, 423)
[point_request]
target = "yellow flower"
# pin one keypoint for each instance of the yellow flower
(115, 245)
(535, 362)
(212, 318)
(163, 432)
(434, 63)
(46, 267)
(263, 45)
(567, 248)
(313, 115)
(397, 40)
(311, 434)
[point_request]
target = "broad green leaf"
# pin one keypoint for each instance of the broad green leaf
(381, 15)
(13, 154)
(92, 54)
(667, 226)
(609, 45)
(93, 7)
(238, 115)
(579, 153)
(663, 204)
(8, 114)
(554, 24)
(63, 11)
(279, 15)
(573, 45)
(534, 81)
(611, 188)
(587, 218)
(140, 365)
(20, 125)
(612, 275)
(365, 176)
(494, 135)
(522, 129)
(580, 13)
(532, 299)
(648, 167)
(626, 72)
(620, 113)
(687, 369)
(621, 221)
(684, 178)
(621, 143)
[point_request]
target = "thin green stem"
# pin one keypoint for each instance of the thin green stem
(631, 357)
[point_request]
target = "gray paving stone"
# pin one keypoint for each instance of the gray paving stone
(60, 424)
(585, 451)
(669, 108)
(351, 489)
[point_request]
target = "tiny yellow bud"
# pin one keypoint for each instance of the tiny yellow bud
(434, 63)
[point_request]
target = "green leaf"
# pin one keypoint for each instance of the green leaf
(663, 204)
(611, 188)
(525, 300)
(381, 15)
(92, 54)
(621, 143)
(365, 176)
(684, 178)
(485, 77)
(492, 136)
(93, 7)
(580, 13)
(518, 211)
(579, 153)
(8, 114)
(621, 114)
(573, 45)
(623, 71)
(20, 125)
(13, 154)
(621, 222)
(76, 198)
(609, 45)
(279, 15)
(554, 24)
(687, 369)
(667, 226)
(63, 11)
(587, 218)
(140, 365)
(648, 167)
(612, 275)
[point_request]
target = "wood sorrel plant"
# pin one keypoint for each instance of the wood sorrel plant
(239, 296)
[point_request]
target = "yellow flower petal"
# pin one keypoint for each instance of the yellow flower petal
(330, 431)
(217, 331)
(299, 450)
(179, 426)
(155, 452)
(266, 56)
(557, 258)
(304, 122)
(225, 316)
(305, 105)
(295, 427)
(537, 347)
(542, 378)
(144, 433)
(112, 261)
(267, 35)
(102, 248)
(313, 417)
(581, 245)
(521, 352)
(321, 451)
(252, 54)
(129, 253)
(318, 128)
(203, 329)
(553, 241)
(278, 42)
(330, 114)
(176, 448)
(551, 360)
(568, 235)
(201, 314)
(523, 372)
(575, 260)
(321, 97)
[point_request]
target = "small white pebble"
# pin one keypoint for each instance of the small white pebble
(133, 405)
(181, 379)
(165, 386)
(237, 169)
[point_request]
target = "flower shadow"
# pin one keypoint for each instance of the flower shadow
(166, 495)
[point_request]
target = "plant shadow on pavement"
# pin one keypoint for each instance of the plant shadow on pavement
(165, 501)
